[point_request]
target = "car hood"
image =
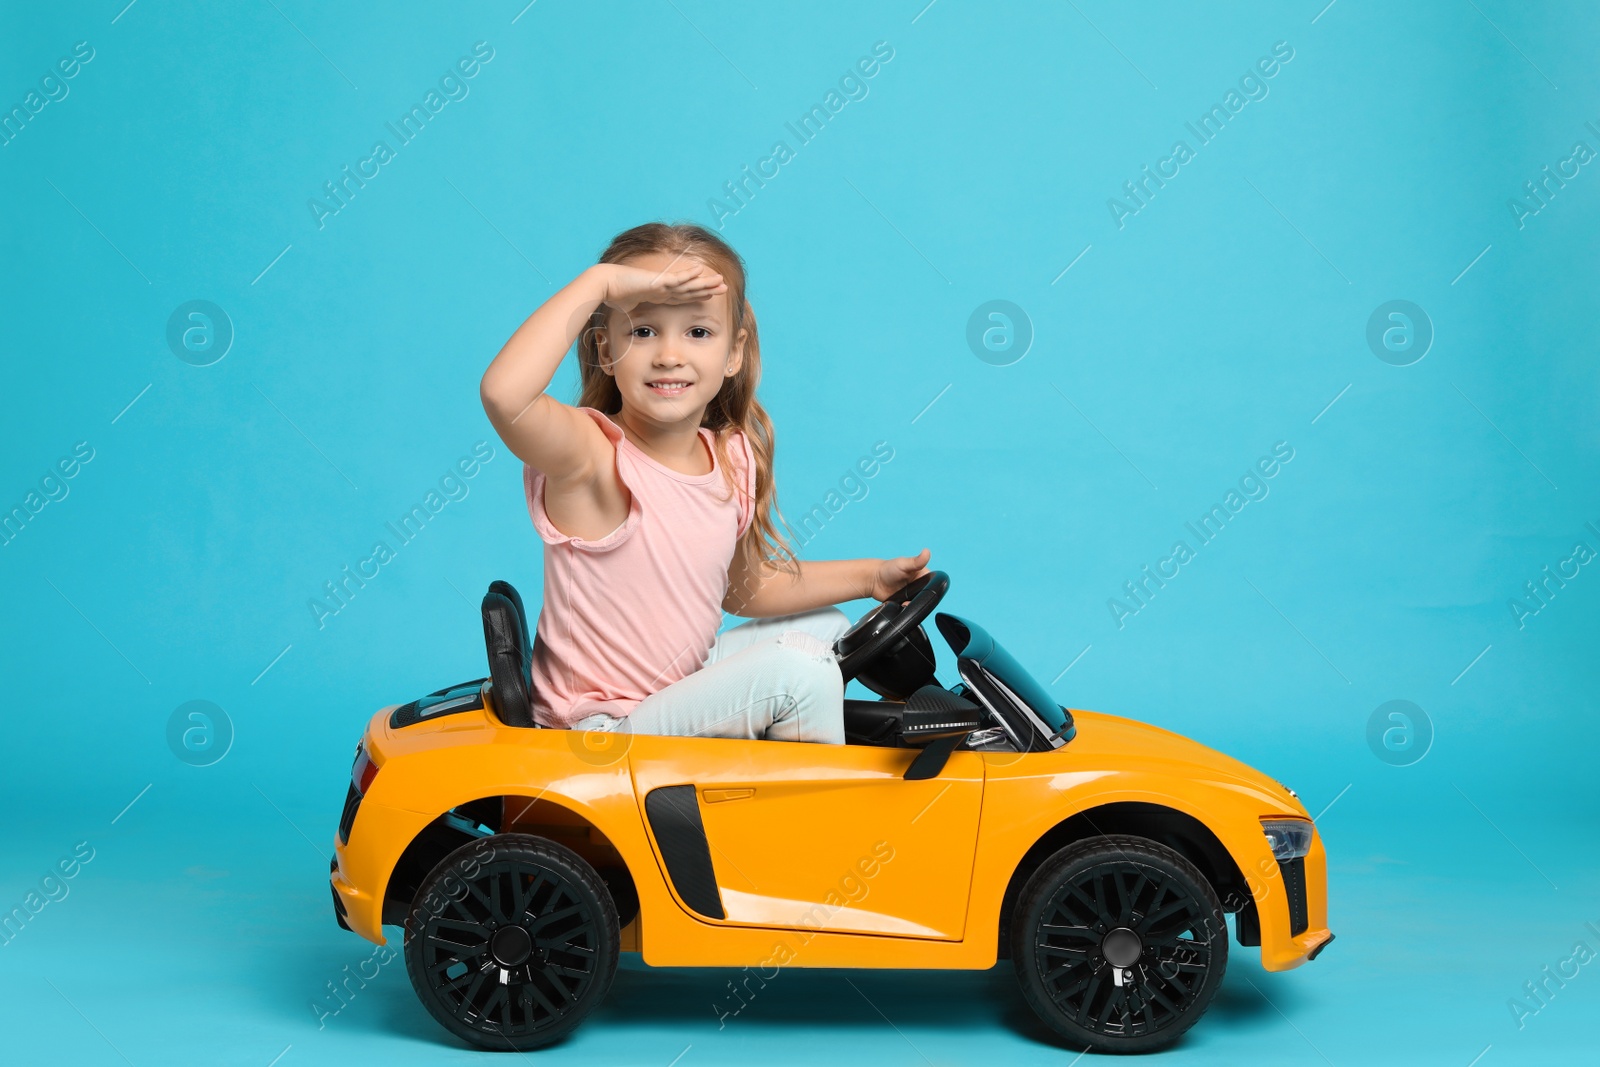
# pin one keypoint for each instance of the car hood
(1119, 743)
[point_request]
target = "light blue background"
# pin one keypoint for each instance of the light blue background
(1224, 317)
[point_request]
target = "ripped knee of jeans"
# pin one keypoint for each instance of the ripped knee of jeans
(801, 641)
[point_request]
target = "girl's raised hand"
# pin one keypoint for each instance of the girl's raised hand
(894, 574)
(627, 287)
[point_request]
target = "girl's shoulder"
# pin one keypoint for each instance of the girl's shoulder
(612, 431)
(743, 473)
(737, 444)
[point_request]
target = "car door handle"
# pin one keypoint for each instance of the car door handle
(718, 796)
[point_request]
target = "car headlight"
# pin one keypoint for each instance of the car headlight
(1290, 838)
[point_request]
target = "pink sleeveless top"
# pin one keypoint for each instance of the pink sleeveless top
(632, 612)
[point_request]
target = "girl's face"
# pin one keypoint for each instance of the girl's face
(670, 360)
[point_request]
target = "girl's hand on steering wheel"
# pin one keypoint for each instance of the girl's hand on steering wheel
(895, 574)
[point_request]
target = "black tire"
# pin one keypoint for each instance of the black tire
(511, 941)
(1146, 907)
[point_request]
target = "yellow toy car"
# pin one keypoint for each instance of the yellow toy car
(956, 827)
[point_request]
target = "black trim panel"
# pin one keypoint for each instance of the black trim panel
(931, 760)
(674, 815)
(1294, 883)
(338, 909)
(338, 905)
(347, 818)
(1247, 925)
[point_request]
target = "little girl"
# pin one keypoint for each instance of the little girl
(655, 500)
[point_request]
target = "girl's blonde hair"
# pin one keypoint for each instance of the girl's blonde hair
(735, 405)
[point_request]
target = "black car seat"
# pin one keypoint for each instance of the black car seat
(505, 637)
(507, 590)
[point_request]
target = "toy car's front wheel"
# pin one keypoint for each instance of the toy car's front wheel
(1119, 943)
(511, 941)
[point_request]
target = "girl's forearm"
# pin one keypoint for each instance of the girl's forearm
(528, 361)
(819, 584)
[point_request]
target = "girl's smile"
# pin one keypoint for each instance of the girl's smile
(668, 386)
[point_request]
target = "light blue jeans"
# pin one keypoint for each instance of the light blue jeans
(774, 679)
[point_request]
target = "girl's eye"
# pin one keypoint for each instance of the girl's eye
(699, 333)
(641, 331)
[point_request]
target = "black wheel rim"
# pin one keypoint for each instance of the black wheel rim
(511, 912)
(1093, 911)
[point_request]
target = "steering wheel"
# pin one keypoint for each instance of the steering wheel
(885, 626)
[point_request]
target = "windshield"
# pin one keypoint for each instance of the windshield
(970, 641)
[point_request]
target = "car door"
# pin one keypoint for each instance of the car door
(811, 837)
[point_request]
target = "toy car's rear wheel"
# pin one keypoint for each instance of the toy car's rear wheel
(1119, 943)
(511, 941)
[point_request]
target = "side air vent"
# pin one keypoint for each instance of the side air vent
(674, 815)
